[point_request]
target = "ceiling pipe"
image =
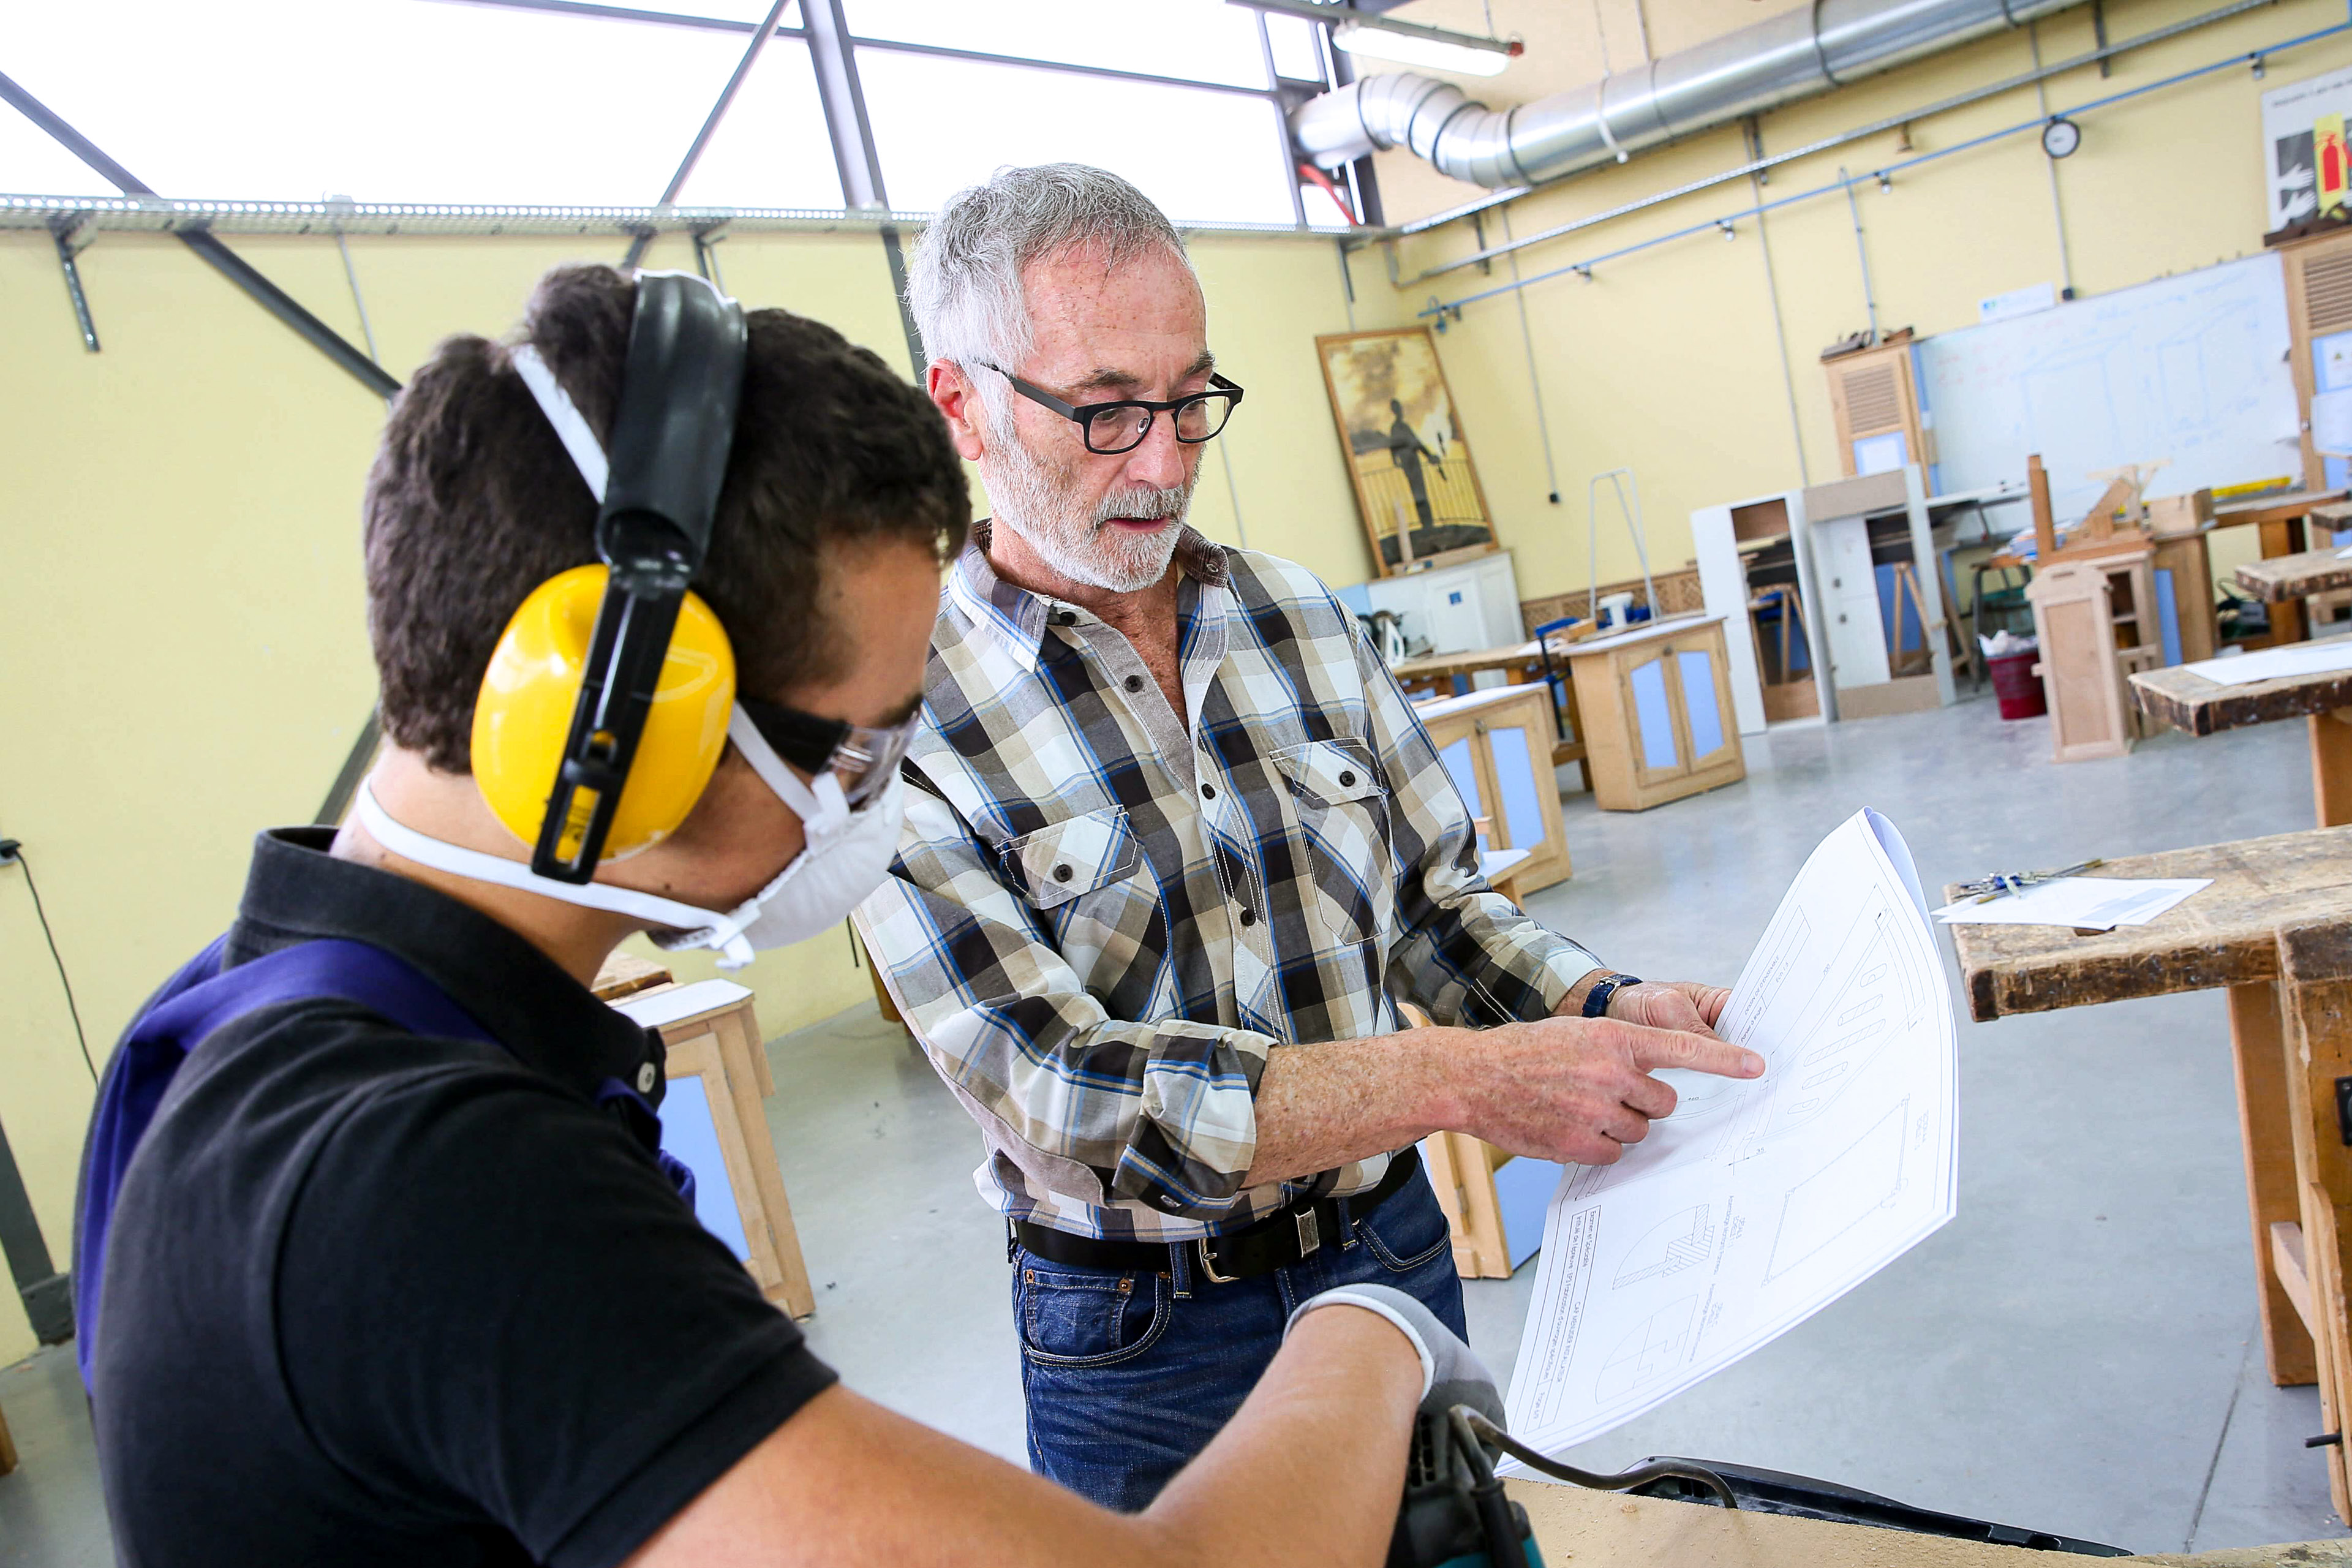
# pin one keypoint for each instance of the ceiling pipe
(1776, 62)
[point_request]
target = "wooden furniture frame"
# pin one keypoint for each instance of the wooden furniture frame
(1605, 670)
(2081, 676)
(2201, 707)
(1474, 718)
(709, 1031)
(2275, 930)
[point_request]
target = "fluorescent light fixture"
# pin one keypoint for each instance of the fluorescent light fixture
(1414, 49)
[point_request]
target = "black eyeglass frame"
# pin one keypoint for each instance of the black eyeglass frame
(1082, 414)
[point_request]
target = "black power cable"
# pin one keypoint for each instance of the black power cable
(13, 851)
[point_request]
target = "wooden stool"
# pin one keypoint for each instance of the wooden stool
(711, 1036)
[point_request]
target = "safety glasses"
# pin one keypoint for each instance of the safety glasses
(863, 758)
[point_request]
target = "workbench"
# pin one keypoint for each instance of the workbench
(1573, 1526)
(2274, 930)
(1524, 664)
(2280, 517)
(2202, 707)
(2297, 576)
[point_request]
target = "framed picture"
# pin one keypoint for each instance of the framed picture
(1416, 485)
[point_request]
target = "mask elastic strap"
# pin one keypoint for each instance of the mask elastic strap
(822, 809)
(571, 427)
(476, 866)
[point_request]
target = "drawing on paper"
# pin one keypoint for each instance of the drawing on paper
(1649, 1352)
(1880, 1000)
(1861, 1180)
(1668, 1247)
(1697, 1095)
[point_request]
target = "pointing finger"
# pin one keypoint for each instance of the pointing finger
(1700, 1053)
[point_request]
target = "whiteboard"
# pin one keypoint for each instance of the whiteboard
(2193, 368)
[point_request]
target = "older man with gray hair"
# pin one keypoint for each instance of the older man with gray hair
(1175, 846)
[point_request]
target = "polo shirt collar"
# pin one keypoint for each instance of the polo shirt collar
(297, 891)
(1016, 618)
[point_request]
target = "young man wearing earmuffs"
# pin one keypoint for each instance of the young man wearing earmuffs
(378, 1261)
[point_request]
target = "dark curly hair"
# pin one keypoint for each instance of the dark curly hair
(473, 501)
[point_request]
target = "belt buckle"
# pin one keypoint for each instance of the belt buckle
(1310, 1235)
(1209, 1264)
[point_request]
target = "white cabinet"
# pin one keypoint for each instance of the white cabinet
(1455, 609)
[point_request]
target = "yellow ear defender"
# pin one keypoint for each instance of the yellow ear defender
(606, 702)
(523, 715)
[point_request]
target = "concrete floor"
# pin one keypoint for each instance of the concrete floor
(2072, 1354)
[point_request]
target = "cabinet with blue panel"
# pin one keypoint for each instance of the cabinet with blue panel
(1656, 703)
(1496, 746)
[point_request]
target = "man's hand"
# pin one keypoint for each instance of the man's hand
(1579, 1090)
(1681, 1005)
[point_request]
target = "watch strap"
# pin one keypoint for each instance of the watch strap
(1596, 1000)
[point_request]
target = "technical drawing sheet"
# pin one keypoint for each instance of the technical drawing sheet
(1759, 1202)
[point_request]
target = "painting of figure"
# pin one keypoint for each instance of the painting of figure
(1415, 485)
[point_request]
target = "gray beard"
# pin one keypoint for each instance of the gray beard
(1031, 499)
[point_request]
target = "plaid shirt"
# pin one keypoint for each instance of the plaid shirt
(1103, 919)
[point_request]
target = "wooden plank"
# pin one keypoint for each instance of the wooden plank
(749, 1081)
(2224, 935)
(2294, 1276)
(2190, 702)
(2295, 576)
(2273, 1192)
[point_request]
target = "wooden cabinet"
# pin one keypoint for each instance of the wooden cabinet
(1497, 745)
(1656, 703)
(2081, 667)
(1875, 402)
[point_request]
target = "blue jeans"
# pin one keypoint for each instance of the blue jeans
(1127, 1375)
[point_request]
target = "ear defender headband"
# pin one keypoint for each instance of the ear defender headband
(605, 706)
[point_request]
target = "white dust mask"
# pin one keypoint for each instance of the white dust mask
(847, 854)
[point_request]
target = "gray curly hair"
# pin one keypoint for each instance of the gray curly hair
(963, 284)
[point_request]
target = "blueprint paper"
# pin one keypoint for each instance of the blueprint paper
(2275, 663)
(1759, 1202)
(2087, 903)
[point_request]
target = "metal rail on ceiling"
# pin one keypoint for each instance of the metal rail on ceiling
(169, 214)
(1883, 173)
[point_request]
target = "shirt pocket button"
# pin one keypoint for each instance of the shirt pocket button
(1062, 872)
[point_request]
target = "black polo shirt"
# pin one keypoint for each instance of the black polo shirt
(375, 1296)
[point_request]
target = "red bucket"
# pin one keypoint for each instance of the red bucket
(2019, 688)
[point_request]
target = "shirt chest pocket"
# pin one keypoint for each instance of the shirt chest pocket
(1343, 807)
(1058, 864)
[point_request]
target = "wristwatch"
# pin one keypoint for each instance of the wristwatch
(1596, 1000)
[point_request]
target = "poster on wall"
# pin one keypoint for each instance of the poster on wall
(2305, 163)
(1415, 485)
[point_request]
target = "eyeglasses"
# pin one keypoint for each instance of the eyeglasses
(1110, 428)
(862, 757)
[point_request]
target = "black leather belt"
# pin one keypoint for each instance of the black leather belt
(1277, 1241)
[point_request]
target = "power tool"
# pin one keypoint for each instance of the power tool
(1454, 1515)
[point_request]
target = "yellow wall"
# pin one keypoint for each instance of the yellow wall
(1667, 363)
(183, 641)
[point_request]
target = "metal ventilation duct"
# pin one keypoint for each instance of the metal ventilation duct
(1785, 57)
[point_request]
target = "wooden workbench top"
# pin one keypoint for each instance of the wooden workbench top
(1469, 701)
(1642, 633)
(2203, 706)
(2220, 935)
(2292, 577)
(2283, 506)
(1468, 662)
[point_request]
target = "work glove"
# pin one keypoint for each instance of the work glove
(1451, 1372)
